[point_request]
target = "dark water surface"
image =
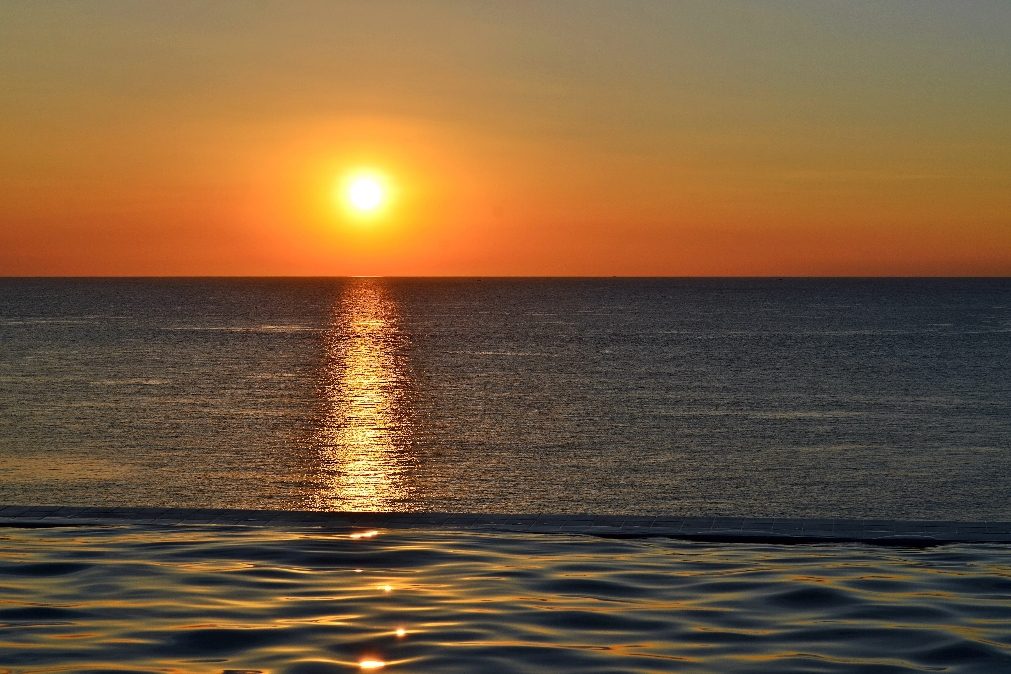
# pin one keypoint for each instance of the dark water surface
(859, 398)
(216, 599)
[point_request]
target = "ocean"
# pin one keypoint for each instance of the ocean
(868, 398)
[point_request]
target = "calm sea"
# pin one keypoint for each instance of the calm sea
(860, 398)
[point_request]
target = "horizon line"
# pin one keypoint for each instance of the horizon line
(507, 276)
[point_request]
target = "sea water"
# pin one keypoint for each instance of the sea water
(803, 397)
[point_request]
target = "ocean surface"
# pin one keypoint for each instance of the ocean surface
(832, 398)
(228, 600)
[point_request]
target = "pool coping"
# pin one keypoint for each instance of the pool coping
(778, 530)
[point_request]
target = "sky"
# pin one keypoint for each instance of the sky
(514, 138)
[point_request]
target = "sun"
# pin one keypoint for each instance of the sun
(364, 193)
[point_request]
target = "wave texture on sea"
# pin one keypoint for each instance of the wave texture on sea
(231, 599)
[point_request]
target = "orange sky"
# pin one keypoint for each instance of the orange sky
(568, 138)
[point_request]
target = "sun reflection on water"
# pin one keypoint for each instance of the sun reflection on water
(364, 534)
(364, 439)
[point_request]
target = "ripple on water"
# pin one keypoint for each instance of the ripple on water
(41, 569)
(234, 600)
(41, 615)
(811, 599)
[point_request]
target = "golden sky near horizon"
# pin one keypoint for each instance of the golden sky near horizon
(514, 138)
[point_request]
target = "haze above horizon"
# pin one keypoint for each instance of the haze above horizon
(505, 139)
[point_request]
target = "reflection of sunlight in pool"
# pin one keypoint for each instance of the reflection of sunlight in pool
(366, 425)
(471, 601)
(365, 534)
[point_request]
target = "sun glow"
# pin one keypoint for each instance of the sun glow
(364, 193)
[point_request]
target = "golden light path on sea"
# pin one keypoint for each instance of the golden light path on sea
(364, 430)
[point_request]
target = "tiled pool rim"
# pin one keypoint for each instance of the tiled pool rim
(714, 529)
